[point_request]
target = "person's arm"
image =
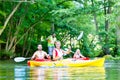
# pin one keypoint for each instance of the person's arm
(68, 51)
(81, 55)
(74, 56)
(48, 38)
(46, 55)
(55, 40)
(34, 56)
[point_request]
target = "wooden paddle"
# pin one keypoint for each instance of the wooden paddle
(20, 59)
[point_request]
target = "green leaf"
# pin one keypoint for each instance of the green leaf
(2, 13)
(1, 41)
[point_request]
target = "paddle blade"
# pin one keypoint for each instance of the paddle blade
(19, 59)
(80, 36)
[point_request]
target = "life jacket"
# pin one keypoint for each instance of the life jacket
(56, 53)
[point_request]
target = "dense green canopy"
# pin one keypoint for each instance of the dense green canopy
(26, 23)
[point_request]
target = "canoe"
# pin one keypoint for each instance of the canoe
(68, 62)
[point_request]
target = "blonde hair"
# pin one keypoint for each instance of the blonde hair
(57, 42)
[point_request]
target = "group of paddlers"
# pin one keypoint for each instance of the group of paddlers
(54, 51)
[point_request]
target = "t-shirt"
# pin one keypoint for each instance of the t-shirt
(51, 41)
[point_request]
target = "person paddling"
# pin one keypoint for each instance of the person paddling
(58, 52)
(40, 54)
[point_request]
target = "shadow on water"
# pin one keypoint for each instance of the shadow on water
(10, 70)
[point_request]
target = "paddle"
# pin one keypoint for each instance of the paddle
(80, 36)
(20, 59)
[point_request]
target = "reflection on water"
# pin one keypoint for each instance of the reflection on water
(20, 73)
(12, 71)
(75, 73)
(112, 69)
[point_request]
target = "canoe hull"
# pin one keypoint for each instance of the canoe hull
(69, 62)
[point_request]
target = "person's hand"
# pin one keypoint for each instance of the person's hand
(69, 47)
(48, 57)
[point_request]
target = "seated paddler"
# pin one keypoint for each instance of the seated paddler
(58, 53)
(40, 55)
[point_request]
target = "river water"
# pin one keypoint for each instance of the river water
(9, 70)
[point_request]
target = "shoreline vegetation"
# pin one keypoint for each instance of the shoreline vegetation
(24, 25)
(110, 57)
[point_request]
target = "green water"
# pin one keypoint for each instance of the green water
(9, 70)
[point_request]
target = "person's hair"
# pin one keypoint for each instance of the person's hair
(57, 42)
(39, 44)
(78, 49)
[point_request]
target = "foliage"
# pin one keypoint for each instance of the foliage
(109, 57)
(6, 54)
(33, 22)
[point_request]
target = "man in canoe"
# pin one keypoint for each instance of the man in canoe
(51, 41)
(40, 54)
(58, 52)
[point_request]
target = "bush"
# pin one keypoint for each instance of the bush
(110, 57)
(5, 54)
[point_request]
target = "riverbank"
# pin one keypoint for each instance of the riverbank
(110, 57)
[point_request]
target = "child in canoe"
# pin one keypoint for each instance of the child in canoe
(78, 55)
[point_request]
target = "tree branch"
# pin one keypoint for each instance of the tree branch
(7, 20)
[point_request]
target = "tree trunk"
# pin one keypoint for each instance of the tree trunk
(29, 44)
(70, 41)
(118, 36)
(8, 38)
(95, 17)
(107, 10)
(24, 44)
(52, 28)
(14, 38)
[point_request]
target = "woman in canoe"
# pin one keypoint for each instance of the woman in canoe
(40, 55)
(58, 52)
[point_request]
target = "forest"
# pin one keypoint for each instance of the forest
(26, 23)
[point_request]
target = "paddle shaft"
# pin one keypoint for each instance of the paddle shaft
(20, 59)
